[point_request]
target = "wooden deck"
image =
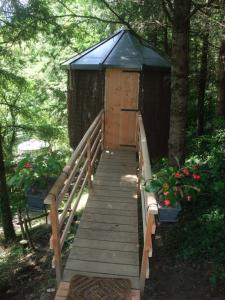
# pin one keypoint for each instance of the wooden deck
(106, 243)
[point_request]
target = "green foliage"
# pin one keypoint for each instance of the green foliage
(178, 185)
(199, 235)
(34, 171)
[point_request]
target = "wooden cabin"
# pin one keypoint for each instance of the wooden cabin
(123, 75)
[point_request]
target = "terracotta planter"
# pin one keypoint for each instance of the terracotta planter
(169, 214)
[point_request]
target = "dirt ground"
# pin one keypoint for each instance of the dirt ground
(34, 279)
(33, 276)
(176, 281)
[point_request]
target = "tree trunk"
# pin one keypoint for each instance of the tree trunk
(202, 83)
(6, 215)
(220, 109)
(179, 80)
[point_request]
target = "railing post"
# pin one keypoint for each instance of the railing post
(140, 169)
(146, 250)
(89, 168)
(137, 133)
(57, 260)
(102, 131)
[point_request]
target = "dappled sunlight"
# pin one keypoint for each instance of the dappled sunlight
(83, 201)
(129, 177)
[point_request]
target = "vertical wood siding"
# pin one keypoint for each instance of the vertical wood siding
(85, 100)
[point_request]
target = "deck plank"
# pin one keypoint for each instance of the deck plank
(111, 205)
(116, 183)
(103, 235)
(96, 244)
(108, 227)
(102, 267)
(98, 218)
(110, 256)
(114, 191)
(102, 168)
(117, 177)
(110, 211)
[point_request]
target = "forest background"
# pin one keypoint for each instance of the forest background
(37, 35)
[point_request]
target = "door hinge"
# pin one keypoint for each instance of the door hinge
(129, 109)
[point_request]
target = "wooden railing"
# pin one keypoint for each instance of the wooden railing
(69, 186)
(148, 201)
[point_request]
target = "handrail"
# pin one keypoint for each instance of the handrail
(55, 190)
(72, 181)
(148, 201)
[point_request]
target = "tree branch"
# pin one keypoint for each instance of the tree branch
(213, 20)
(170, 5)
(83, 16)
(198, 7)
(121, 20)
(167, 12)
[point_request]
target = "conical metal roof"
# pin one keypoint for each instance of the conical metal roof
(121, 50)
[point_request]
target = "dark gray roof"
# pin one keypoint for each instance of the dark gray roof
(121, 50)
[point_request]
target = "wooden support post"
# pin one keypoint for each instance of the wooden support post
(21, 224)
(102, 131)
(56, 240)
(30, 242)
(147, 248)
(89, 168)
(28, 217)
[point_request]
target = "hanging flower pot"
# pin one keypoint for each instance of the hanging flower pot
(169, 214)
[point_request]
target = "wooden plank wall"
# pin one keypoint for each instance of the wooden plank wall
(155, 108)
(84, 101)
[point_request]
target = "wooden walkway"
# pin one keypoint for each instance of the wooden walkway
(106, 243)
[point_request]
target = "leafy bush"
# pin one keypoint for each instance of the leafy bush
(199, 235)
(176, 185)
(35, 170)
(32, 173)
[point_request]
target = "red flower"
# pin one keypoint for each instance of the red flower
(166, 193)
(186, 171)
(178, 175)
(166, 202)
(196, 177)
(28, 165)
(189, 198)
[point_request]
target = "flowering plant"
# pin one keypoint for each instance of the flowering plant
(33, 172)
(175, 185)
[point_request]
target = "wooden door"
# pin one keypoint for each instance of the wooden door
(121, 105)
